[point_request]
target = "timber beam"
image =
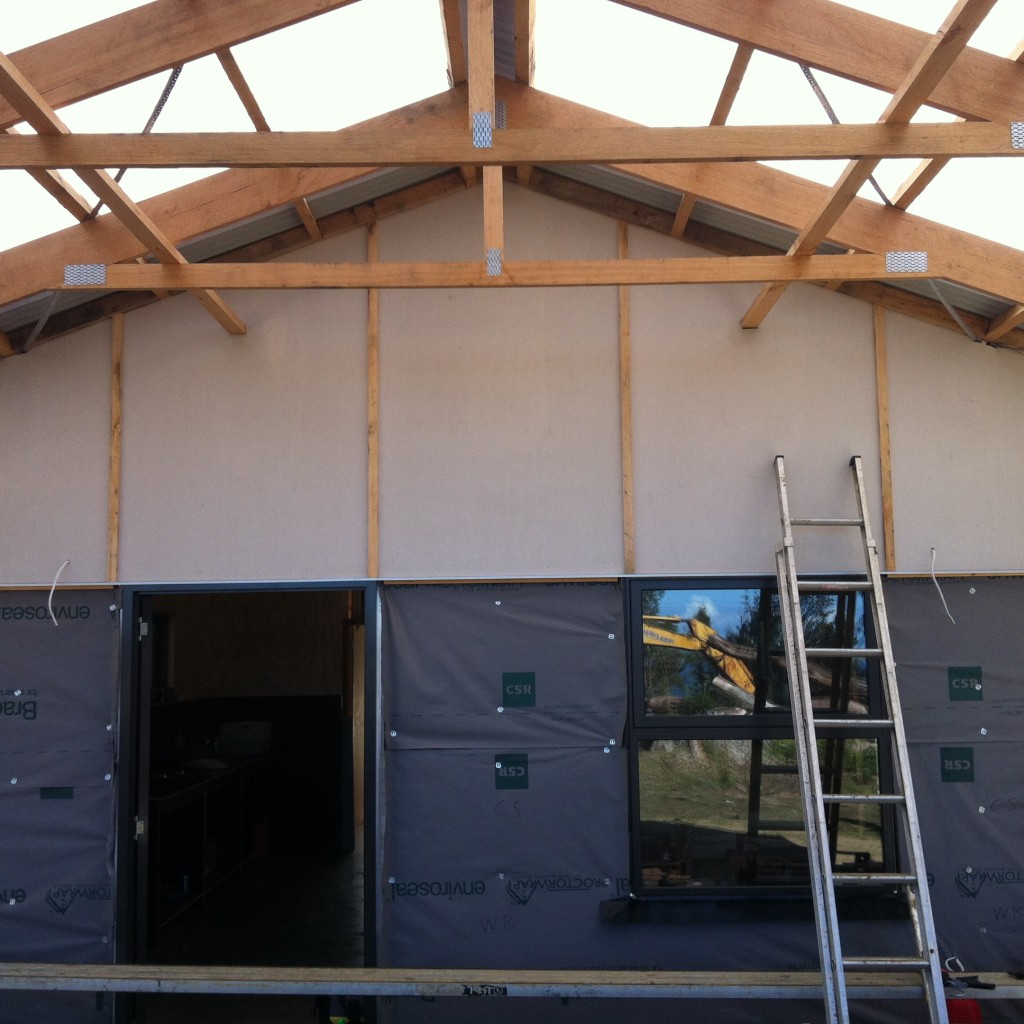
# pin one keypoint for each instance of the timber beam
(474, 274)
(355, 147)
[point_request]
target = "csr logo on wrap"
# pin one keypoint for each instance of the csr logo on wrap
(60, 897)
(512, 771)
(956, 764)
(519, 689)
(964, 682)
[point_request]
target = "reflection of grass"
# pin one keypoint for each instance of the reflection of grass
(707, 783)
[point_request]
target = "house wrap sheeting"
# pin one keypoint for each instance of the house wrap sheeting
(961, 680)
(506, 821)
(58, 694)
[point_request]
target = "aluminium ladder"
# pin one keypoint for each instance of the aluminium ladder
(818, 804)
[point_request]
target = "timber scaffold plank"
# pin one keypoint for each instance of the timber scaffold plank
(357, 981)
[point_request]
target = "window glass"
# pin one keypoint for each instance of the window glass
(720, 651)
(727, 812)
(717, 799)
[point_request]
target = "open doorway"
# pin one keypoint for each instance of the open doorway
(250, 764)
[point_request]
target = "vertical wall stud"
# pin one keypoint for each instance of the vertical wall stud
(626, 412)
(884, 450)
(373, 412)
(114, 486)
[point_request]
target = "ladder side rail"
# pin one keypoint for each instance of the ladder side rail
(829, 951)
(921, 916)
(822, 888)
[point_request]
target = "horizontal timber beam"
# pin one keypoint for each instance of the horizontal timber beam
(440, 147)
(473, 274)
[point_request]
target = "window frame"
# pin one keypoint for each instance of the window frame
(643, 727)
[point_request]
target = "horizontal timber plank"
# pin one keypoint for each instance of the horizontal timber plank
(473, 274)
(354, 981)
(426, 147)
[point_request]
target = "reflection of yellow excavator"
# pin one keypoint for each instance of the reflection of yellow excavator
(734, 672)
(733, 662)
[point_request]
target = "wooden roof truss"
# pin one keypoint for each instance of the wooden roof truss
(493, 124)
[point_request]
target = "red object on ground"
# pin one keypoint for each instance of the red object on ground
(964, 1011)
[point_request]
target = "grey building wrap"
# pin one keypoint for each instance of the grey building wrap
(508, 867)
(58, 694)
(506, 797)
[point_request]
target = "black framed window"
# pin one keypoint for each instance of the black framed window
(716, 802)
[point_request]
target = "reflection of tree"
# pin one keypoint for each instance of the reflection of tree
(703, 672)
(661, 664)
(680, 679)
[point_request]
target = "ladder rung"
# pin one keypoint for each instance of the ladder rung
(832, 586)
(885, 963)
(844, 652)
(826, 522)
(782, 826)
(865, 878)
(863, 798)
(853, 722)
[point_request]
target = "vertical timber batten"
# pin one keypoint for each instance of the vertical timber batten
(626, 413)
(114, 485)
(884, 446)
(373, 412)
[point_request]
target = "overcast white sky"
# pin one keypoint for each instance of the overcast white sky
(590, 51)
